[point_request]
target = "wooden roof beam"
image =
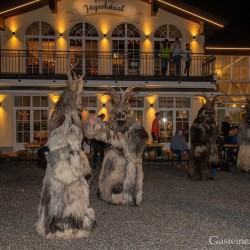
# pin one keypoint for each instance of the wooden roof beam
(154, 7)
(2, 24)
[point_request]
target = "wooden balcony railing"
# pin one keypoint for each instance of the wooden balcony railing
(95, 64)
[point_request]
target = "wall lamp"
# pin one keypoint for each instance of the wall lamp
(13, 33)
(147, 36)
(104, 105)
(104, 35)
(61, 34)
(0, 104)
(194, 37)
(151, 105)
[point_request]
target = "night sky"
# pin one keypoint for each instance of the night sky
(234, 11)
(237, 32)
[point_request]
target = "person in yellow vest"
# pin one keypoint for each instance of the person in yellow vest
(165, 56)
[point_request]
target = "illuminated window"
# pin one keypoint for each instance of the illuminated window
(40, 46)
(175, 114)
(90, 106)
(137, 104)
(31, 118)
(232, 68)
(126, 47)
(166, 31)
(166, 102)
(89, 101)
(83, 42)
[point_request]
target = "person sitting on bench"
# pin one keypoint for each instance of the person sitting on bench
(179, 145)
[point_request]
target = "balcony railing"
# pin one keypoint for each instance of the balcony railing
(94, 64)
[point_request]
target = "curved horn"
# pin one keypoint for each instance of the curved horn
(114, 95)
(74, 74)
(70, 69)
(216, 98)
(211, 98)
(127, 94)
(204, 95)
(247, 99)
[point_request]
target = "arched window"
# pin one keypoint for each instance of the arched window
(126, 47)
(83, 43)
(40, 44)
(166, 31)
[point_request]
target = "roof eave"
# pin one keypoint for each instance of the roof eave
(222, 50)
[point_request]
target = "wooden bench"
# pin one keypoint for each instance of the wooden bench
(16, 156)
(170, 156)
(150, 153)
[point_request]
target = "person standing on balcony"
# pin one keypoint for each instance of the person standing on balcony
(188, 58)
(165, 56)
(176, 53)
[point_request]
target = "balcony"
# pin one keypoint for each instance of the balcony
(100, 66)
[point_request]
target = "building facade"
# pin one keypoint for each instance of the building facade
(115, 44)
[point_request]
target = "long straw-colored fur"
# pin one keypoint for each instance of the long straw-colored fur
(121, 178)
(243, 139)
(64, 210)
(203, 148)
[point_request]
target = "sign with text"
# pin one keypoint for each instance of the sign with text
(102, 6)
(124, 8)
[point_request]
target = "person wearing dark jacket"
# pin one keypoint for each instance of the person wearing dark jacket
(225, 127)
(179, 146)
(98, 146)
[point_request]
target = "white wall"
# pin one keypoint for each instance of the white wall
(63, 21)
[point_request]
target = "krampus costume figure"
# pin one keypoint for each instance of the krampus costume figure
(243, 139)
(64, 206)
(121, 178)
(203, 148)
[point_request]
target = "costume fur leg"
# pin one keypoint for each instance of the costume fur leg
(243, 140)
(64, 215)
(198, 163)
(120, 181)
(243, 159)
(64, 206)
(112, 177)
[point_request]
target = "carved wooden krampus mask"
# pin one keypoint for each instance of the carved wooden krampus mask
(206, 112)
(120, 111)
(75, 84)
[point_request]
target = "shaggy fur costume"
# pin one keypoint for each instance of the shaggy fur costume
(203, 148)
(243, 139)
(121, 178)
(64, 206)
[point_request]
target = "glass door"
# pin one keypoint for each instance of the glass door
(31, 115)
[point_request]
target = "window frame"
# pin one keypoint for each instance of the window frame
(31, 109)
(174, 109)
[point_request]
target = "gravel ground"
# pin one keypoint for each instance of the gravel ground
(176, 212)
